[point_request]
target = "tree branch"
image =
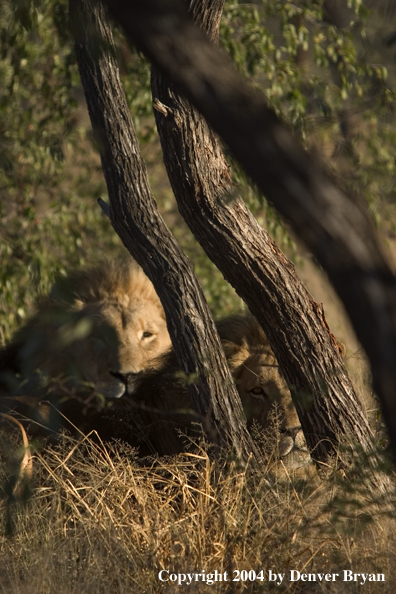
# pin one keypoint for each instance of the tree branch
(334, 226)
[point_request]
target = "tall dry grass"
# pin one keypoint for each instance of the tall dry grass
(101, 522)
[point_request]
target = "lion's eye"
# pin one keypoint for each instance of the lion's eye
(257, 391)
(146, 334)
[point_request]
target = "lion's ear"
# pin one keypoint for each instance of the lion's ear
(230, 348)
(236, 354)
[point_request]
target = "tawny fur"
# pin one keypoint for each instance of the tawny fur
(95, 326)
(253, 365)
(166, 410)
(121, 305)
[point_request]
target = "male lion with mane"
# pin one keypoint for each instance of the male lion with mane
(96, 327)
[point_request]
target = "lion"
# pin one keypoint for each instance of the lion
(96, 327)
(264, 393)
(105, 327)
(166, 410)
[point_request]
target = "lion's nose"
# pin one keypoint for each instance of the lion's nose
(131, 380)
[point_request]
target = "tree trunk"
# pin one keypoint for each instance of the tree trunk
(335, 228)
(135, 218)
(260, 273)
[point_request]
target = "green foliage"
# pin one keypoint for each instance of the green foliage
(45, 222)
(135, 74)
(323, 80)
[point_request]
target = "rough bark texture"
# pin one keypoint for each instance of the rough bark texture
(336, 228)
(135, 218)
(261, 274)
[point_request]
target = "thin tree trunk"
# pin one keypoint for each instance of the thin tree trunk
(335, 227)
(135, 218)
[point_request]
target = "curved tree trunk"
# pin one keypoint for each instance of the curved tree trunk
(135, 218)
(261, 274)
(335, 227)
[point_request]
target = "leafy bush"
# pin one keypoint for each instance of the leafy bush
(315, 74)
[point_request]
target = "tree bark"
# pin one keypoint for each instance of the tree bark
(135, 218)
(335, 227)
(261, 274)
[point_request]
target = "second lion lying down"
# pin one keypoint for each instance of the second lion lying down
(167, 414)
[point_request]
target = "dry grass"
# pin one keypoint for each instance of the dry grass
(101, 522)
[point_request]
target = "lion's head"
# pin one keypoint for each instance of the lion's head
(255, 370)
(96, 326)
(265, 396)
